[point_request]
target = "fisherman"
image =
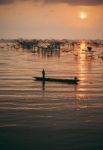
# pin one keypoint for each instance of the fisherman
(89, 48)
(76, 78)
(43, 74)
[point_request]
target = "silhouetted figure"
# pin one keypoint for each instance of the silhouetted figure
(43, 74)
(89, 48)
(75, 78)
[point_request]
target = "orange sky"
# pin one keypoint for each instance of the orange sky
(55, 20)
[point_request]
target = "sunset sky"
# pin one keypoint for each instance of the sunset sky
(53, 19)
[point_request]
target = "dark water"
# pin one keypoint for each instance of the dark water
(57, 116)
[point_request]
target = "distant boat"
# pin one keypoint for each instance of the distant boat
(70, 81)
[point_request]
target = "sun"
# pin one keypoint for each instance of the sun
(83, 15)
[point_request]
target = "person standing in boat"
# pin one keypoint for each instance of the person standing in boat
(43, 74)
(89, 49)
(76, 78)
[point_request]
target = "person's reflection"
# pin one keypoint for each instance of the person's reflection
(76, 87)
(43, 85)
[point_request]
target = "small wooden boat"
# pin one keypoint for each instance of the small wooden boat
(70, 81)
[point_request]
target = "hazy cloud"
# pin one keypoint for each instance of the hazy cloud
(71, 2)
(6, 1)
(76, 2)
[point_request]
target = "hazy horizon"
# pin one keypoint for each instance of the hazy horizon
(46, 19)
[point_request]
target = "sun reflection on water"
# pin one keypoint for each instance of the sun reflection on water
(82, 61)
(83, 71)
(83, 45)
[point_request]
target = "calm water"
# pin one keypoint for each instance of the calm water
(64, 116)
